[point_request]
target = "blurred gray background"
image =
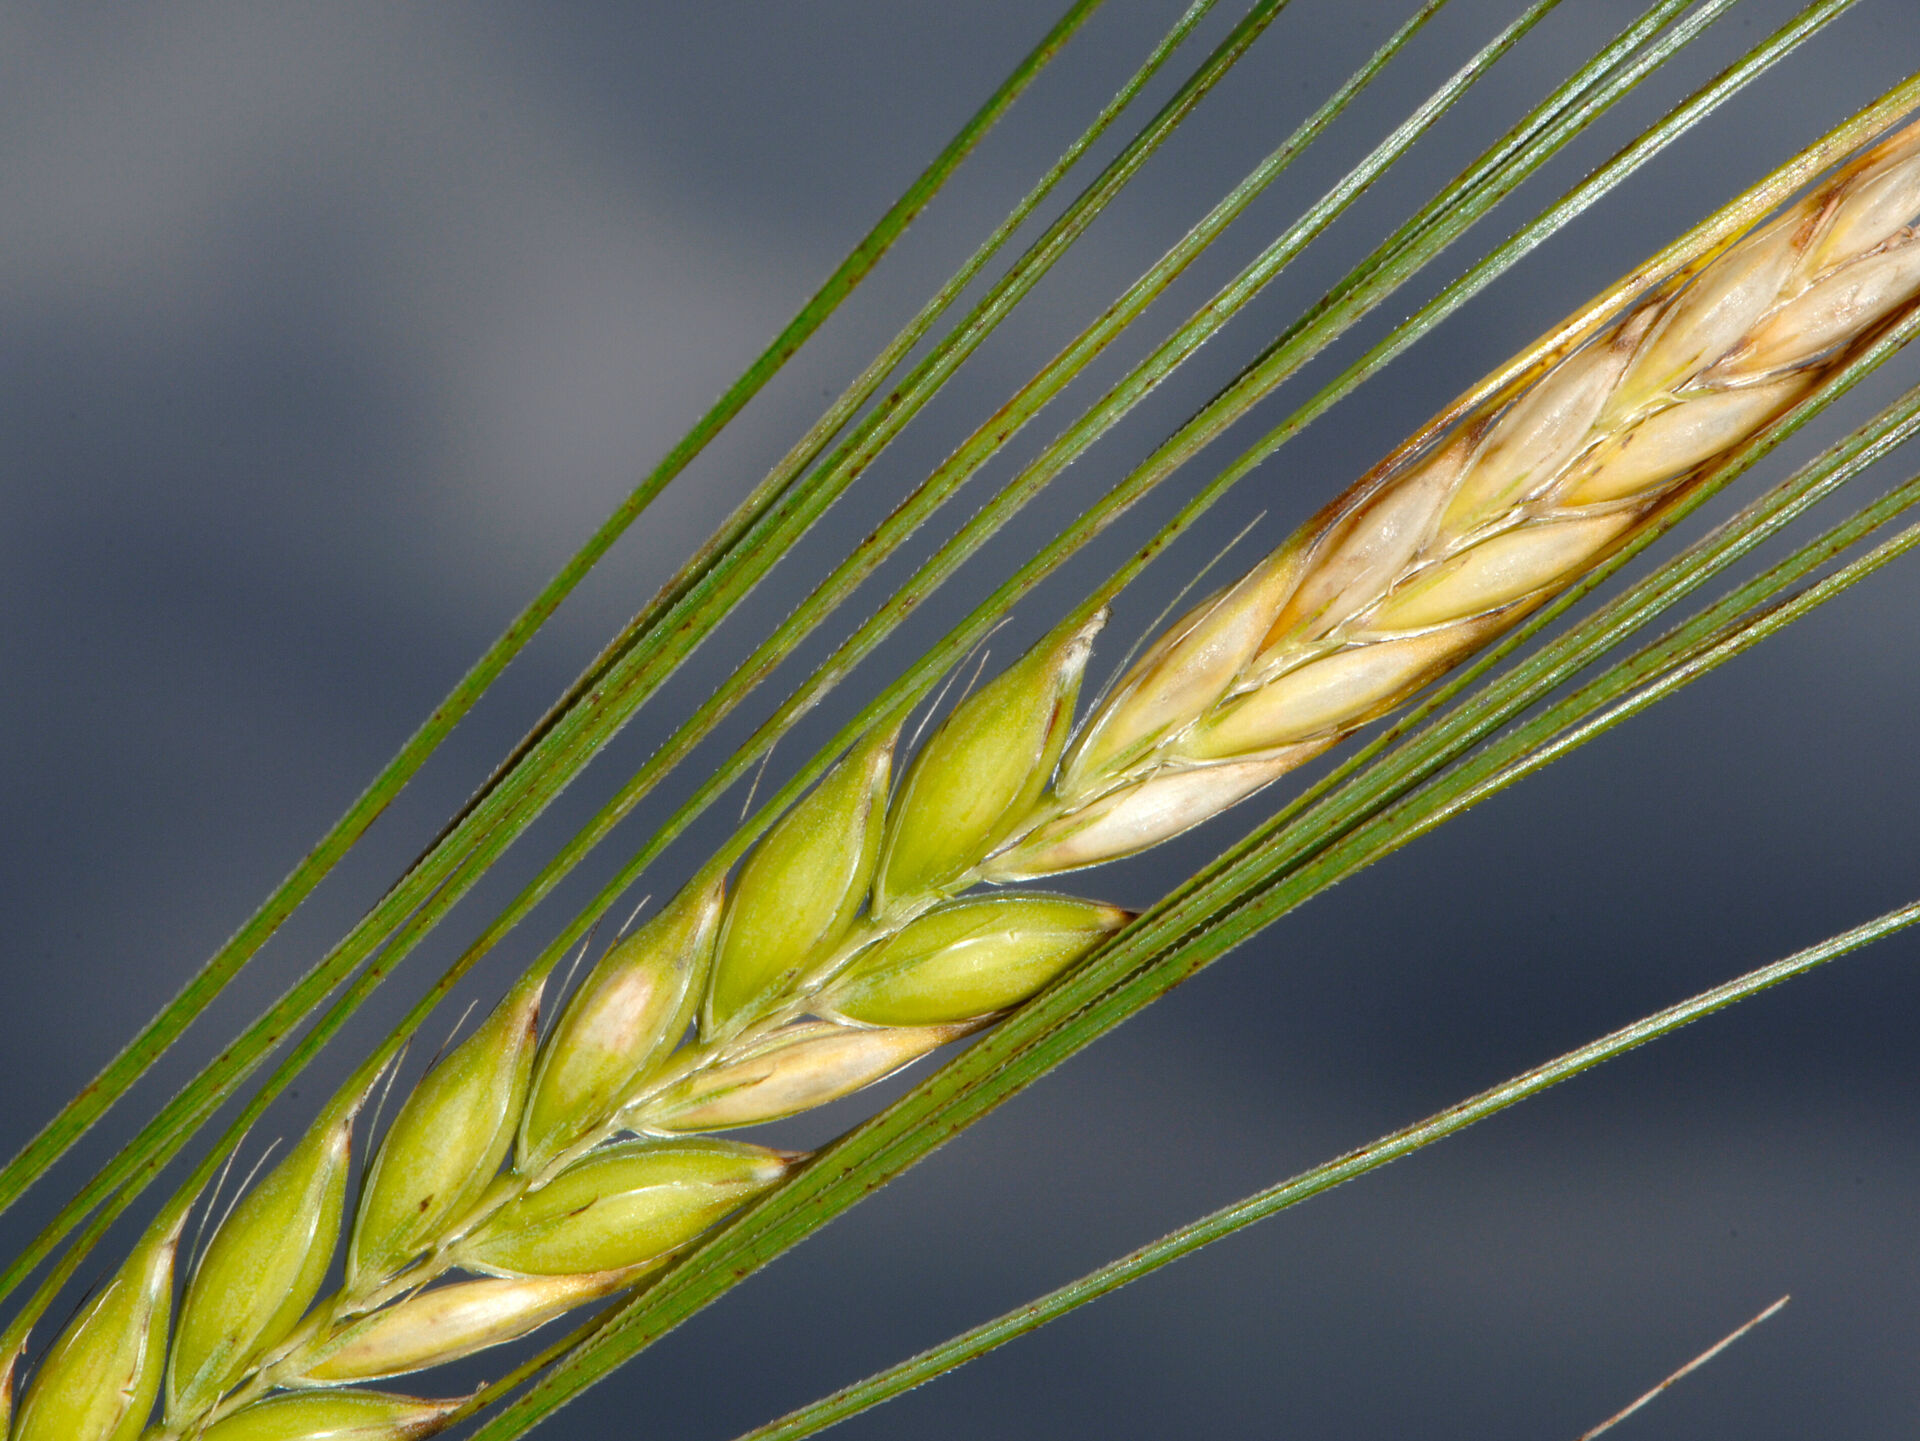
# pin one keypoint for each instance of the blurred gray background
(327, 333)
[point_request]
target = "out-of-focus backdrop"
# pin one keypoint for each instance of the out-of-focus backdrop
(326, 334)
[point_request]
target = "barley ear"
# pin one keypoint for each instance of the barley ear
(792, 1070)
(982, 771)
(101, 1378)
(623, 1206)
(442, 1325)
(263, 1266)
(797, 894)
(333, 1416)
(622, 1022)
(446, 1142)
(968, 959)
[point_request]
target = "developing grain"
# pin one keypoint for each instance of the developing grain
(623, 1206)
(634, 1006)
(799, 891)
(101, 1378)
(263, 1267)
(446, 1142)
(333, 1416)
(445, 1324)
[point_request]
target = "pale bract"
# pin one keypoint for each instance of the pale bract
(444, 1324)
(792, 1070)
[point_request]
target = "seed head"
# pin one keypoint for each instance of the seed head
(1426, 562)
